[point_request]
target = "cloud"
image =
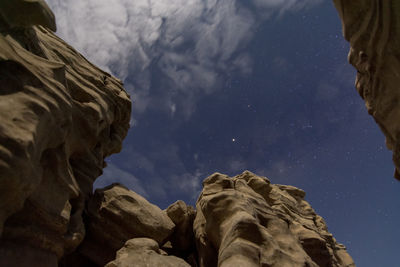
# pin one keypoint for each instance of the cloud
(189, 184)
(113, 174)
(187, 46)
(280, 7)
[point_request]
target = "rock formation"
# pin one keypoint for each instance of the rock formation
(246, 221)
(61, 116)
(143, 252)
(116, 214)
(373, 29)
(239, 221)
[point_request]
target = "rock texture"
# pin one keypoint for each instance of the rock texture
(60, 117)
(183, 216)
(246, 221)
(240, 221)
(115, 215)
(27, 13)
(144, 252)
(373, 29)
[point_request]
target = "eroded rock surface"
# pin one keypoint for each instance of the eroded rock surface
(60, 117)
(246, 221)
(183, 216)
(144, 252)
(117, 214)
(373, 29)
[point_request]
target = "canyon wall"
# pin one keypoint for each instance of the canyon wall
(373, 29)
(60, 117)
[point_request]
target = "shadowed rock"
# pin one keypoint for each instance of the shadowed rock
(27, 13)
(60, 117)
(183, 216)
(373, 29)
(116, 214)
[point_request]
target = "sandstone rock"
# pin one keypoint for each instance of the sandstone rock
(143, 252)
(246, 221)
(182, 215)
(115, 215)
(373, 30)
(27, 13)
(60, 117)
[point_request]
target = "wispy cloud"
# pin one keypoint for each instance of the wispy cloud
(282, 6)
(189, 45)
(114, 174)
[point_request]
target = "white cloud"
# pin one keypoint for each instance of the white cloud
(191, 42)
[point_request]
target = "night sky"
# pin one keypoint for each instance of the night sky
(234, 85)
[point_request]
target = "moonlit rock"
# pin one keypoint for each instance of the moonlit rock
(60, 117)
(247, 221)
(372, 28)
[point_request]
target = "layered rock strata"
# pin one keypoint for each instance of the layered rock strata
(60, 117)
(373, 29)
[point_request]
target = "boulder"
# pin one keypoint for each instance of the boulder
(117, 214)
(144, 252)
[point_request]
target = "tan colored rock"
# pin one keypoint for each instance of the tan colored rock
(246, 221)
(182, 215)
(373, 30)
(27, 13)
(115, 215)
(144, 252)
(60, 117)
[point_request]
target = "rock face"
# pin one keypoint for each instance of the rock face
(116, 214)
(144, 252)
(27, 13)
(240, 221)
(60, 117)
(183, 216)
(373, 30)
(246, 221)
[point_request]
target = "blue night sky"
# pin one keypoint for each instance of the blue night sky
(230, 85)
